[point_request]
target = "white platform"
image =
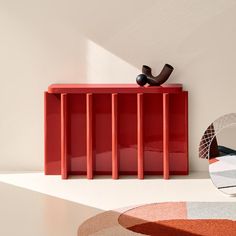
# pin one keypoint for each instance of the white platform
(105, 193)
(34, 204)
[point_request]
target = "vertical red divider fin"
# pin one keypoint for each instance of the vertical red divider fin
(186, 128)
(45, 133)
(166, 136)
(89, 135)
(140, 135)
(114, 137)
(64, 167)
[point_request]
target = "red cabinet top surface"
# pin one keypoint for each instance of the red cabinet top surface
(113, 88)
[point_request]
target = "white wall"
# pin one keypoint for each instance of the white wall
(65, 41)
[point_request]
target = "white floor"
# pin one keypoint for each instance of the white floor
(39, 205)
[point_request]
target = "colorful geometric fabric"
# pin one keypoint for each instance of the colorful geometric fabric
(165, 219)
(212, 130)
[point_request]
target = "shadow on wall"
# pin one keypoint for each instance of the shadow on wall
(154, 32)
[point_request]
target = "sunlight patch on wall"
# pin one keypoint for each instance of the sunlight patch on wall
(105, 67)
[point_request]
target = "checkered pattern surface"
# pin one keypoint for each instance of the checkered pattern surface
(212, 131)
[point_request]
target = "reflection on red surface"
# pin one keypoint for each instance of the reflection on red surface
(213, 160)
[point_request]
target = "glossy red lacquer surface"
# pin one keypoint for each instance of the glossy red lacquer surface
(97, 132)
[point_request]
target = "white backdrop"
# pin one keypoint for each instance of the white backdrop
(107, 41)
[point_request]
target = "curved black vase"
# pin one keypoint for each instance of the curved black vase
(147, 77)
(161, 78)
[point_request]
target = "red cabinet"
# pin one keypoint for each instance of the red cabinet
(116, 129)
